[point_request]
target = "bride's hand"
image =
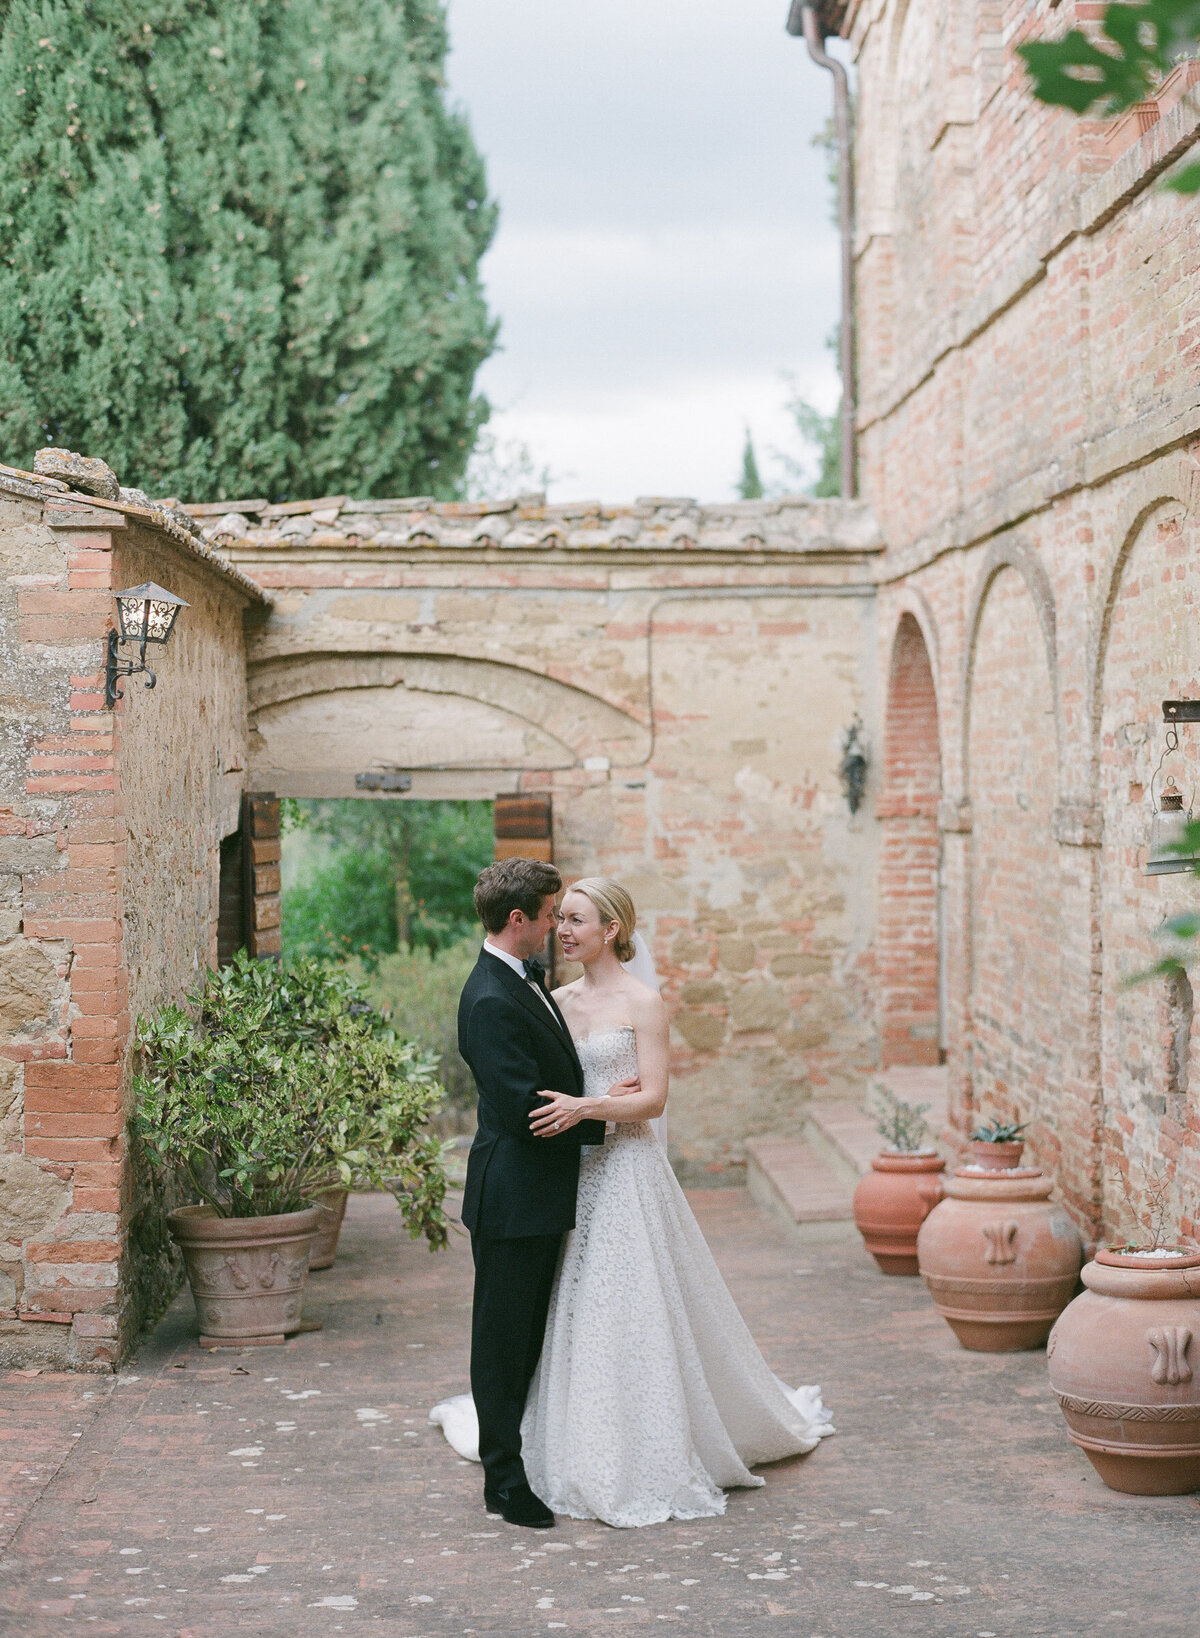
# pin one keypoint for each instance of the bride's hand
(558, 1115)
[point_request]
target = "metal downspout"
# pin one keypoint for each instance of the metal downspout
(804, 21)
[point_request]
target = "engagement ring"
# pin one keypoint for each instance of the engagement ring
(557, 1124)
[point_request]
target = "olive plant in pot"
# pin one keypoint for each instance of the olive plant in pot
(277, 1085)
(902, 1187)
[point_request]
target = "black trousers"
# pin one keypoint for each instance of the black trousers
(513, 1281)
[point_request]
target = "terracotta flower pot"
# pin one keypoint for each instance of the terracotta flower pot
(892, 1201)
(247, 1274)
(1000, 1260)
(1123, 1369)
(994, 1157)
(332, 1206)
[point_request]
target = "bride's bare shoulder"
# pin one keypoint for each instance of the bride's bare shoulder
(646, 1004)
(567, 992)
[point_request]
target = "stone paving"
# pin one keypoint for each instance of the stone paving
(301, 1491)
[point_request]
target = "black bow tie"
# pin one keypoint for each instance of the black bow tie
(534, 971)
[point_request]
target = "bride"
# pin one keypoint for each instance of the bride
(651, 1397)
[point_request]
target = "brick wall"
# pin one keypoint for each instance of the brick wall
(1030, 438)
(109, 823)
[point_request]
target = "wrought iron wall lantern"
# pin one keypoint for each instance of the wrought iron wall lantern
(145, 614)
(852, 770)
(1169, 853)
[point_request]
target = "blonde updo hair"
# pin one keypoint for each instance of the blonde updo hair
(614, 904)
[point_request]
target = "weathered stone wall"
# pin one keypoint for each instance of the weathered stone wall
(680, 679)
(86, 793)
(1029, 431)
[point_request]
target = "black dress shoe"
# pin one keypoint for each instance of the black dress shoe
(519, 1505)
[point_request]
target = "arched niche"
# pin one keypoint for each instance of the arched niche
(1015, 889)
(1149, 651)
(910, 856)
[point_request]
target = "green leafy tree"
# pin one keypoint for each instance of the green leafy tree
(239, 244)
(1138, 45)
(399, 875)
(823, 435)
(750, 485)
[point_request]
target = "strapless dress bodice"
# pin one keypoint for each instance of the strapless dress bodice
(608, 1056)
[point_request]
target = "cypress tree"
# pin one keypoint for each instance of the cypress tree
(239, 245)
(750, 485)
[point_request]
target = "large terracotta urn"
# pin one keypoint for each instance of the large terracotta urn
(1001, 1260)
(893, 1200)
(1123, 1366)
(247, 1274)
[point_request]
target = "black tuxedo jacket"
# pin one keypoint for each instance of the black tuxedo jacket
(518, 1184)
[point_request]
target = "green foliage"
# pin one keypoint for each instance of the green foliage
(346, 907)
(1179, 932)
(281, 1082)
(1141, 44)
(239, 245)
(901, 1125)
(399, 874)
(750, 485)
(996, 1131)
(502, 469)
(823, 436)
(418, 991)
(1186, 180)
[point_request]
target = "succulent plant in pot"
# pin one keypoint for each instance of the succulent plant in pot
(996, 1145)
(902, 1187)
(276, 1085)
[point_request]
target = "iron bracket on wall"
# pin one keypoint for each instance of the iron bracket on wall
(115, 670)
(1181, 710)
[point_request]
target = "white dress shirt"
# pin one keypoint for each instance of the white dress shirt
(518, 967)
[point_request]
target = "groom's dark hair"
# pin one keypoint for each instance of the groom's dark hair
(513, 884)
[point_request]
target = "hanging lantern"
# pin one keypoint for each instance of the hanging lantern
(1170, 853)
(1168, 830)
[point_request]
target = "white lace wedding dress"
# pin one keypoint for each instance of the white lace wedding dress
(651, 1397)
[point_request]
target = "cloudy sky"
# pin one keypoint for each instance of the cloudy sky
(665, 254)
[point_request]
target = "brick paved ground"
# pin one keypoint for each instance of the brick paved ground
(300, 1491)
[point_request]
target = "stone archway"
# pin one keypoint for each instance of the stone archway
(909, 940)
(461, 726)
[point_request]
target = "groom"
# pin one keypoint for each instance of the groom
(520, 1194)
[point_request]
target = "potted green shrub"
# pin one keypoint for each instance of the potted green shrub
(277, 1085)
(902, 1187)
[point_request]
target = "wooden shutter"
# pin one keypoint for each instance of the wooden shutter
(261, 852)
(523, 828)
(231, 919)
